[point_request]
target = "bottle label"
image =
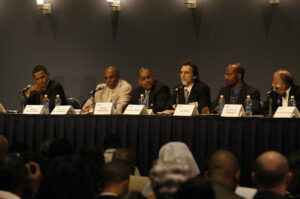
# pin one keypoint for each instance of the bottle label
(221, 106)
(248, 108)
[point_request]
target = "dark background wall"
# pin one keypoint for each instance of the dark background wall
(82, 37)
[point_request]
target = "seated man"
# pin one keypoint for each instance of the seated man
(224, 174)
(191, 89)
(114, 180)
(283, 88)
(156, 93)
(271, 175)
(44, 86)
(236, 90)
(113, 89)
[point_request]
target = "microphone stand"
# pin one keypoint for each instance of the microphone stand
(270, 114)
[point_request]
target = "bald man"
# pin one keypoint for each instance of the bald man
(113, 89)
(224, 173)
(155, 92)
(236, 90)
(271, 175)
(283, 88)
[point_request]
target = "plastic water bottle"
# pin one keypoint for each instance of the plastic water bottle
(114, 102)
(46, 104)
(248, 106)
(142, 99)
(57, 101)
(292, 101)
(221, 104)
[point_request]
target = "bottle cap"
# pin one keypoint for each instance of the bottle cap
(57, 95)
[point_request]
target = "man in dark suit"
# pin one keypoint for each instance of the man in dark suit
(224, 174)
(44, 86)
(114, 180)
(271, 175)
(191, 90)
(156, 94)
(236, 90)
(283, 88)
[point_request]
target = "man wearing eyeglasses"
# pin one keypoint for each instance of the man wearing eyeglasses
(156, 94)
(283, 88)
(236, 90)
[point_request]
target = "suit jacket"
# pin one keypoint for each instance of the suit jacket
(268, 195)
(295, 91)
(158, 96)
(53, 88)
(121, 95)
(200, 93)
(246, 90)
(222, 191)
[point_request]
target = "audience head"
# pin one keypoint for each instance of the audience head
(112, 141)
(3, 144)
(133, 195)
(111, 77)
(114, 177)
(40, 75)
(126, 155)
(282, 81)
(146, 79)
(234, 74)
(67, 178)
(18, 147)
(188, 73)
(294, 161)
(271, 170)
(179, 150)
(224, 166)
(195, 188)
(12, 173)
(59, 148)
(167, 175)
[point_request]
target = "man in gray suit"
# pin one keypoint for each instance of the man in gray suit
(114, 89)
(224, 174)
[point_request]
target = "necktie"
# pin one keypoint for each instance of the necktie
(233, 97)
(147, 99)
(110, 95)
(186, 95)
(41, 98)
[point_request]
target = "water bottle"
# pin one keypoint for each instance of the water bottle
(142, 99)
(114, 102)
(292, 101)
(248, 106)
(57, 101)
(46, 104)
(221, 104)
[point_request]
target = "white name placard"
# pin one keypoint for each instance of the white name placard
(186, 110)
(2, 109)
(286, 112)
(63, 110)
(34, 109)
(133, 109)
(233, 110)
(103, 108)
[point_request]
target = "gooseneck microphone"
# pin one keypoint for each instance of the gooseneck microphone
(273, 89)
(92, 92)
(26, 88)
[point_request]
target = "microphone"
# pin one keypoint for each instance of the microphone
(273, 89)
(26, 88)
(180, 86)
(92, 92)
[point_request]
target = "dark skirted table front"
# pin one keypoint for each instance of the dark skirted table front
(146, 134)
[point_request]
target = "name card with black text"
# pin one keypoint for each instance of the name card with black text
(135, 110)
(34, 109)
(63, 110)
(186, 110)
(233, 110)
(286, 112)
(103, 108)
